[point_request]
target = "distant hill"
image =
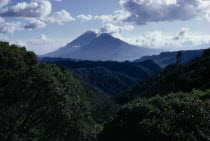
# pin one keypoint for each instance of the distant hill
(110, 77)
(171, 105)
(95, 47)
(166, 58)
(175, 78)
(104, 81)
(49, 59)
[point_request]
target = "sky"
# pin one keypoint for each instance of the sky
(43, 26)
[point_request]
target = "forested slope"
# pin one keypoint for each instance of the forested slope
(42, 102)
(174, 117)
(167, 58)
(174, 78)
(167, 106)
(110, 77)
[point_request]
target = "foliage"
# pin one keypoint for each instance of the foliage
(103, 108)
(179, 57)
(110, 77)
(194, 74)
(179, 116)
(110, 83)
(41, 102)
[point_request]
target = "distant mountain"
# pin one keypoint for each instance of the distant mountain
(69, 49)
(92, 46)
(174, 78)
(166, 58)
(50, 60)
(110, 77)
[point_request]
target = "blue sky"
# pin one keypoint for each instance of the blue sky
(45, 25)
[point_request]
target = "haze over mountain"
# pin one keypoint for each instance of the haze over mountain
(93, 46)
(166, 58)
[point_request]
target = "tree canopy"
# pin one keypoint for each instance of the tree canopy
(176, 116)
(174, 78)
(41, 102)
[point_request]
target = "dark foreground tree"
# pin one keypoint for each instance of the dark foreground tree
(175, 117)
(41, 102)
(179, 58)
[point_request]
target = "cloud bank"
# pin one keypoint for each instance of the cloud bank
(10, 27)
(184, 39)
(32, 15)
(34, 23)
(84, 18)
(113, 29)
(146, 11)
(60, 17)
(34, 9)
(41, 44)
(4, 3)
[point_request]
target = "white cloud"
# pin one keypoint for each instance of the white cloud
(113, 24)
(37, 45)
(184, 32)
(10, 27)
(36, 8)
(117, 17)
(4, 3)
(157, 39)
(34, 23)
(43, 37)
(97, 31)
(42, 40)
(208, 16)
(114, 29)
(1, 20)
(104, 18)
(60, 17)
(146, 11)
(41, 44)
(4, 38)
(20, 43)
(85, 17)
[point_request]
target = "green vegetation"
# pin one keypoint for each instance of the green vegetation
(158, 111)
(175, 117)
(175, 78)
(109, 77)
(108, 82)
(179, 58)
(42, 102)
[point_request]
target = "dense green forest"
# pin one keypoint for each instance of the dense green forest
(167, 106)
(174, 78)
(43, 102)
(108, 77)
(174, 117)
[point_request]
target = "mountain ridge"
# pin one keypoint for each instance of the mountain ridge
(109, 78)
(72, 46)
(166, 58)
(94, 47)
